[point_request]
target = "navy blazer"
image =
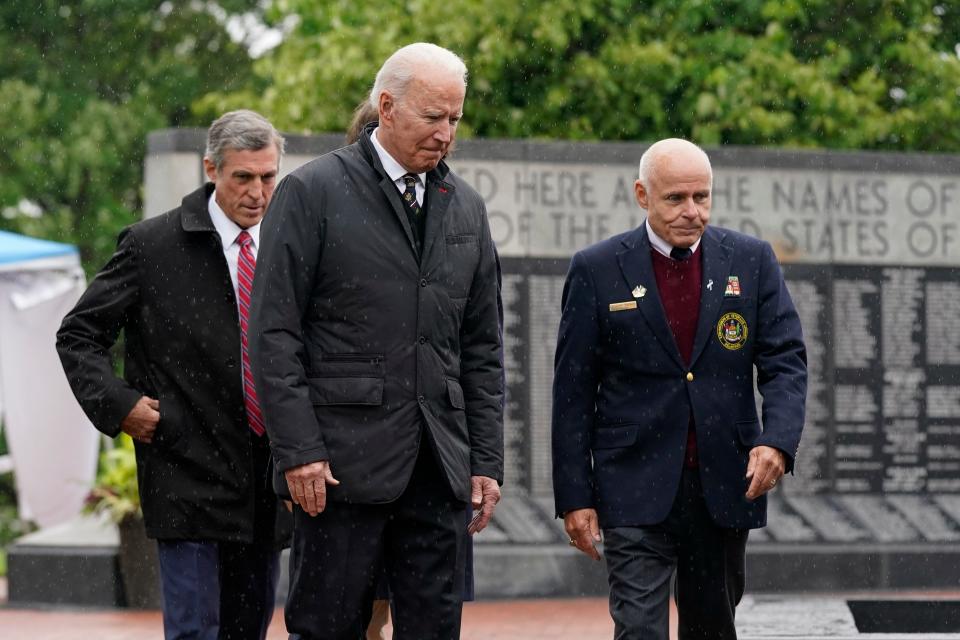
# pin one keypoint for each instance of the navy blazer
(623, 395)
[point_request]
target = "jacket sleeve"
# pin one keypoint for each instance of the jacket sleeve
(575, 390)
(481, 362)
(291, 243)
(89, 331)
(781, 361)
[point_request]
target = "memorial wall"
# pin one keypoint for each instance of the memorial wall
(870, 246)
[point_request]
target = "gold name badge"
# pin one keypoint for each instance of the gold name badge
(623, 306)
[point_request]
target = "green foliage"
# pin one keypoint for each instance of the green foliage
(866, 74)
(11, 525)
(116, 492)
(81, 84)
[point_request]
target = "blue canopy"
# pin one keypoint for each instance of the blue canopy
(17, 248)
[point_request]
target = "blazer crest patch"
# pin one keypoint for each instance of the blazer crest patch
(732, 331)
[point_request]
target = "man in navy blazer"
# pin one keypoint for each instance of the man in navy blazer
(656, 437)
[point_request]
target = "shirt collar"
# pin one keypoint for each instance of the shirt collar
(662, 246)
(393, 168)
(227, 228)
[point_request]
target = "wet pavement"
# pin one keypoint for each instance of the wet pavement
(759, 617)
(580, 619)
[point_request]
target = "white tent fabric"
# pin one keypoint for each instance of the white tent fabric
(52, 444)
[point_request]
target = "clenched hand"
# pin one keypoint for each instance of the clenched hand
(142, 420)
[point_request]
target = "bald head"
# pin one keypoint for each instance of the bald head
(676, 151)
(674, 187)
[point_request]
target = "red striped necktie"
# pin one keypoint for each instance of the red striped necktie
(246, 264)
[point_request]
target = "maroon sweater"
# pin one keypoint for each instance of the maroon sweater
(679, 285)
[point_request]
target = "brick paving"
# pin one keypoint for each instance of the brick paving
(568, 619)
(761, 617)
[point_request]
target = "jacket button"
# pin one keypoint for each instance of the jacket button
(423, 283)
(231, 362)
(422, 340)
(421, 399)
(689, 376)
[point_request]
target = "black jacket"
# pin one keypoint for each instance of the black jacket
(168, 288)
(356, 343)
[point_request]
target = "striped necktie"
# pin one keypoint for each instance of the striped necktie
(410, 193)
(246, 264)
(414, 211)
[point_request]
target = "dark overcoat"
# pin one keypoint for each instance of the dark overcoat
(168, 289)
(361, 348)
(623, 394)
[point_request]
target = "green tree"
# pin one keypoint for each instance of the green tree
(81, 84)
(866, 74)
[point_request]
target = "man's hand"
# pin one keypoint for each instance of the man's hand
(764, 470)
(484, 495)
(583, 529)
(142, 420)
(308, 485)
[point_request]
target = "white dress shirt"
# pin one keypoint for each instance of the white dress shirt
(228, 231)
(662, 246)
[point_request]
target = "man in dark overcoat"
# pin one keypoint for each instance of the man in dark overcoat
(656, 438)
(377, 350)
(178, 287)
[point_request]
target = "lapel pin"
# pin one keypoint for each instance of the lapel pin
(639, 291)
(710, 285)
(733, 287)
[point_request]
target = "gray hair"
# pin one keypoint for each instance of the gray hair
(406, 62)
(241, 130)
(650, 157)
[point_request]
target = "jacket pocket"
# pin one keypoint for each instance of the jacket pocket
(749, 431)
(168, 429)
(736, 302)
(615, 437)
(462, 238)
(347, 365)
(459, 264)
(357, 390)
(362, 358)
(455, 394)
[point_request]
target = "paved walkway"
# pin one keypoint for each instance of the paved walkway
(762, 617)
(584, 619)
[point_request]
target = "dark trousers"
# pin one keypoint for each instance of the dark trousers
(417, 541)
(709, 562)
(223, 590)
(382, 591)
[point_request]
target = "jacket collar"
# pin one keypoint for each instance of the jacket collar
(195, 215)
(365, 145)
(637, 267)
(437, 196)
(717, 247)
